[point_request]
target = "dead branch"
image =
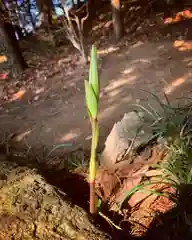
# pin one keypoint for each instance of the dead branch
(75, 35)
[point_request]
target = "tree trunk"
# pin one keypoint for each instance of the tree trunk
(117, 20)
(45, 6)
(9, 47)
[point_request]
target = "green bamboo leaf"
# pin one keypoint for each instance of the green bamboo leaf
(93, 72)
(91, 100)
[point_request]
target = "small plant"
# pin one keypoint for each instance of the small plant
(177, 168)
(169, 121)
(175, 173)
(92, 100)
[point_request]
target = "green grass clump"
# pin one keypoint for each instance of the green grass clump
(174, 125)
(169, 122)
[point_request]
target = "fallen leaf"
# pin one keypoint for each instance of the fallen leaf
(20, 136)
(36, 98)
(3, 59)
(183, 45)
(18, 95)
(152, 173)
(3, 76)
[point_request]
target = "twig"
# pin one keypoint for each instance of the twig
(76, 38)
(109, 221)
(130, 146)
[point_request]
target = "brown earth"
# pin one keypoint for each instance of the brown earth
(47, 104)
(48, 204)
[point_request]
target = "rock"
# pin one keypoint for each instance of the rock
(125, 137)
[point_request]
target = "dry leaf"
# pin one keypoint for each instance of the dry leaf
(3, 59)
(3, 76)
(18, 95)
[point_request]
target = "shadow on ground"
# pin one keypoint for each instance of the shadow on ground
(52, 110)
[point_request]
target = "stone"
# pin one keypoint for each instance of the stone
(125, 137)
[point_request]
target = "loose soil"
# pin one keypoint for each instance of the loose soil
(38, 202)
(30, 208)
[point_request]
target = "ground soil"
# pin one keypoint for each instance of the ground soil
(47, 104)
(30, 208)
(38, 202)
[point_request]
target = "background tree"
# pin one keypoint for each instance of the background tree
(117, 18)
(9, 47)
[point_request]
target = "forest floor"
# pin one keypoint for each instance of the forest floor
(47, 103)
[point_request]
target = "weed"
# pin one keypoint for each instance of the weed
(169, 122)
(79, 162)
(174, 125)
(58, 146)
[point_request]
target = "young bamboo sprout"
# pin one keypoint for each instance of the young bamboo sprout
(92, 100)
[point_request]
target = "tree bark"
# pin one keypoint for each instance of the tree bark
(117, 19)
(9, 46)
